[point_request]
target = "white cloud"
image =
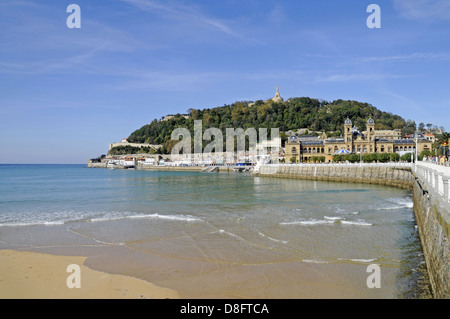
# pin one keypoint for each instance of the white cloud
(181, 11)
(424, 9)
(413, 56)
(356, 77)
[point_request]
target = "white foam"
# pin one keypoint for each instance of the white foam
(398, 204)
(315, 261)
(61, 218)
(309, 222)
(359, 260)
(230, 234)
(273, 239)
(326, 221)
(148, 216)
(356, 223)
(332, 218)
(33, 223)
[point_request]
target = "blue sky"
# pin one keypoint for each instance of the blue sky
(66, 93)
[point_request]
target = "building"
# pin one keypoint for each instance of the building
(430, 137)
(354, 141)
(389, 134)
(173, 116)
(277, 97)
(124, 142)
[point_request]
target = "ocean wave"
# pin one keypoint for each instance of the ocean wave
(353, 260)
(398, 203)
(358, 260)
(328, 221)
(309, 222)
(72, 217)
(315, 261)
(332, 218)
(148, 216)
(357, 223)
(230, 234)
(273, 239)
(32, 223)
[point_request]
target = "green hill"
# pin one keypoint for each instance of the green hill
(293, 114)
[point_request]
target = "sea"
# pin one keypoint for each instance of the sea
(220, 235)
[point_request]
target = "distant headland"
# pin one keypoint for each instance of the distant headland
(310, 129)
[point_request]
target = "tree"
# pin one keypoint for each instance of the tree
(369, 158)
(406, 157)
(337, 158)
(409, 128)
(443, 138)
(383, 157)
(395, 157)
(421, 127)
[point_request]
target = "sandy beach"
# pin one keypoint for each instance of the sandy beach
(29, 275)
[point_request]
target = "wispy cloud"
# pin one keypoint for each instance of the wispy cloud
(180, 11)
(424, 9)
(408, 57)
(357, 77)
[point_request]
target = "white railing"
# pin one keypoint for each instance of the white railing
(435, 178)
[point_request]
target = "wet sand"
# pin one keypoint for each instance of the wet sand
(30, 275)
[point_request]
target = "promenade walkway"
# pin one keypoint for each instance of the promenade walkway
(435, 178)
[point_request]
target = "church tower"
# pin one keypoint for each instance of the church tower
(277, 97)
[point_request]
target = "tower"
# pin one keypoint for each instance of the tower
(371, 135)
(348, 133)
(370, 129)
(277, 97)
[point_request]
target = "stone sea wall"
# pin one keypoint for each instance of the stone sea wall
(432, 212)
(398, 175)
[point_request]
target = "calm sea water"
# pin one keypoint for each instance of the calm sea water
(222, 235)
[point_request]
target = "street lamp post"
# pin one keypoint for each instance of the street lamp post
(416, 149)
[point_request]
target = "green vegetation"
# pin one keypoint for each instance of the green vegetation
(127, 149)
(372, 158)
(293, 114)
(318, 159)
(443, 138)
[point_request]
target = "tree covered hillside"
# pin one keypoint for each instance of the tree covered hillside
(293, 114)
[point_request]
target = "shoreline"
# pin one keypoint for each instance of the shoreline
(32, 275)
(163, 168)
